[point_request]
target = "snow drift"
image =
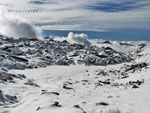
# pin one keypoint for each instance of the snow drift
(15, 26)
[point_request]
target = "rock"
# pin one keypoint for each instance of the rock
(46, 92)
(21, 53)
(21, 76)
(106, 42)
(126, 44)
(142, 45)
(31, 83)
(105, 82)
(56, 93)
(102, 72)
(5, 98)
(56, 104)
(66, 87)
(139, 82)
(16, 51)
(123, 77)
(85, 81)
(135, 86)
(38, 108)
(136, 66)
(5, 76)
(2, 97)
(78, 107)
(102, 103)
(12, 98)
(20, 59)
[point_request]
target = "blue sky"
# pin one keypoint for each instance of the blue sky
(110, 18)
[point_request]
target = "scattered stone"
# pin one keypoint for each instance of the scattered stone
(85, 81)
(78, 107)
(105, 82)
(138, 82)
(31, 83)
(102, 103)
(102, 72)
(56, 104)
(56, 93)
(135, 86)
(46, 92)
(124, 77)
(68, 88)
(136, 66)
(21, 76)
(38, 108)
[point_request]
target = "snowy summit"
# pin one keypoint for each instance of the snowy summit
(74, 56)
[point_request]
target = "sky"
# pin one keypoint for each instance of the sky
(110, 18)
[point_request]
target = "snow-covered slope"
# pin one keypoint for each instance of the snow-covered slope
(120, 84)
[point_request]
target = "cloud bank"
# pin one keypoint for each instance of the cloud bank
(78, 38)
(15, 26)
(83, 15)
(75, 38)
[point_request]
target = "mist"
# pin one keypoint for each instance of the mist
(15, 26)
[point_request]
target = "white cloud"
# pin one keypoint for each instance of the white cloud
(78, 38)
(74, 14)
(15, 26)
(75, 38)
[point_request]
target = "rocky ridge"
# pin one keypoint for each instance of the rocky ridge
(33, 53)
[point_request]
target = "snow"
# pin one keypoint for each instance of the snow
(84, 92)
(122, 87)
